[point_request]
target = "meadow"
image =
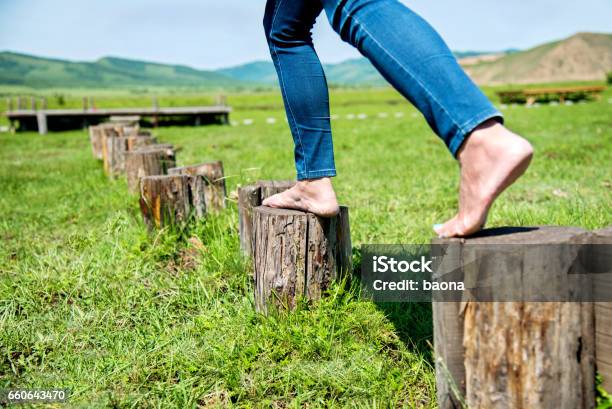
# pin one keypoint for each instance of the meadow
(92, 302)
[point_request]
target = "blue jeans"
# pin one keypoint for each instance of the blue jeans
(406, 50)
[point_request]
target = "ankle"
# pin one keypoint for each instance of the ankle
(494, 138)
(319, 184)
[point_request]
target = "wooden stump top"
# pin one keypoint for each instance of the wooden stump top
(518, 235)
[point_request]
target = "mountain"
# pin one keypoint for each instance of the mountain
(259, 71)
(109, 72)
(350, 72)
(581, 57)
(357, 71)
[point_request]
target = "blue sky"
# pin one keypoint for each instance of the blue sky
(218, 33)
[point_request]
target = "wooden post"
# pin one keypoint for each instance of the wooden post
(297, 254)
(95, 138)
(448, 338)
(171, 199)
(601, 256)
(107, 131)
(149, 161)
(214, 179)
(514, 354)
(19, 103)
(102, 147)
(114, 159)
(140, 141)
(117, 147)
(33, 103)
(84, 103)
(9, 104)
(250, 197)
(43, 103)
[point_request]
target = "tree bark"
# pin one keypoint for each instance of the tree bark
(297, 255)
(107, 132)
(249, 197)
(448, 337)
(212, 175)
(96, 139)
(515, 354)
(148, 161)
(171, 199)
(110, 129)
(272, 187)
(140, 141)
(602, 284)
(117, 147)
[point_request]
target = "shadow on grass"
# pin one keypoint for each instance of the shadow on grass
(414, 325)
(413, 321)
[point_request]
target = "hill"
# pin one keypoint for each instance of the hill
(259, 72)
(108, 72)
(357, 71)
(581, 57)
(350, 72)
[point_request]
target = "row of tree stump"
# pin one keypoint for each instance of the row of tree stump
(295, 254)
(488, 354)
(169, 195)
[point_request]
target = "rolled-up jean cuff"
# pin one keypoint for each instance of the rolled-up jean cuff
(314, 174)
(469, 127)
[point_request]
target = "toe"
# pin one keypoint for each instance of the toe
(445, 230)
(273, 201)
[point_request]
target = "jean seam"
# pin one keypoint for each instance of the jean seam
(441, 55)
(469, 125)
(320, 170)
(316, 173)
(459, 137)
(407, 71)
(282, 84)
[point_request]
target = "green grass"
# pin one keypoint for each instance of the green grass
(91, 302)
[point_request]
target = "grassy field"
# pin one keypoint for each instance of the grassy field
(91, 302)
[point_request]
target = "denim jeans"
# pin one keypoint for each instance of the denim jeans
(404, 48)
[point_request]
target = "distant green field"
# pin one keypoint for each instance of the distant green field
(89, 301)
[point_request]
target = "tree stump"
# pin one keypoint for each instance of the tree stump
(250, 197)
(514, 354)
(148, 161)
(96, 139)
(170, 200)
(212, 174)
(601, 256)
(107, 132)
(140, 141)
(297, 254)
(117, 147)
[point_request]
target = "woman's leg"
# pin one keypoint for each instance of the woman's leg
(415, 60)
(288, 25)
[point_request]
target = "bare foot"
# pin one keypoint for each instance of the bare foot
(491, 159)
(312, 195)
